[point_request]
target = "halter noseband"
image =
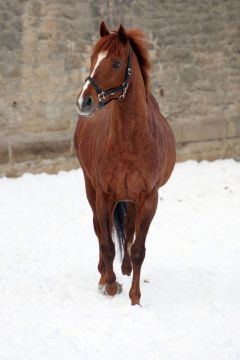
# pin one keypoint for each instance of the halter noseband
(102, 94)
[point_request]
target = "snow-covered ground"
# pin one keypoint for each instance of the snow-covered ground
(49, 305)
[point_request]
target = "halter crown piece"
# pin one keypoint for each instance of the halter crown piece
(102, 94)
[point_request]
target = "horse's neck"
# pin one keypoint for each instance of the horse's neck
(129, 117)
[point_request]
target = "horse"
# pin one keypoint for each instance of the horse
(126, 150)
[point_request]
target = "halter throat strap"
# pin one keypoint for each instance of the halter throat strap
(102, 94)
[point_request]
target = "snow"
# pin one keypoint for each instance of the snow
(49, 304)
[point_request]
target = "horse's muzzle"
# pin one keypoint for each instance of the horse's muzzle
(86, 106)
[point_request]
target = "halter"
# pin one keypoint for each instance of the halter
(102, 94)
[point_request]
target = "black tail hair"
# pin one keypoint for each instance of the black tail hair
(119, 225)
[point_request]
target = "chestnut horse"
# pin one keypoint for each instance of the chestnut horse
(126, 150)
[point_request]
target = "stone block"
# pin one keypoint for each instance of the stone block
(4, 123)
(233, 127)
(195, 130)
(44, 36)
(35, 150)
(4, 155)
(189, 75)
(209, 150)
(10, 39)
(41, 165)
(233, 148)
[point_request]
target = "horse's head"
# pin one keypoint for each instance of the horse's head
(110, 71)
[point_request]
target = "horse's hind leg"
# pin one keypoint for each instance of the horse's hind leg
(145, 212)
(130, 230)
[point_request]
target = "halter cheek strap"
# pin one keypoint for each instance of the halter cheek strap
(102, 94)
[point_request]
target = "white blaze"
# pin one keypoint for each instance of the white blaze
(101, 56)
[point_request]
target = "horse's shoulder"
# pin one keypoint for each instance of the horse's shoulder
(76, 132)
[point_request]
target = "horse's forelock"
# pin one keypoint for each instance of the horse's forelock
(109, 43)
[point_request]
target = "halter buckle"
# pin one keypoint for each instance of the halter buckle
(101, 96)
(129, 72)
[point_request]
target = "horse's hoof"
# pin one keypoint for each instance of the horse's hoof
(112, 289)
(101, 288)
(127, 270)
(136, 302)
(135, 297)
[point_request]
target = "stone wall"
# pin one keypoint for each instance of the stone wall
(44, 58)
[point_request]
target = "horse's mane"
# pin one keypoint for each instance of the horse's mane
(139, 45)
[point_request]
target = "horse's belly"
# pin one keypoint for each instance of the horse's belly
(129, 186)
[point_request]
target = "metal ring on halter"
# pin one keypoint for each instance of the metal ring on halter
(101, 96)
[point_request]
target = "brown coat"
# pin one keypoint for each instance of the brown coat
(127, 151)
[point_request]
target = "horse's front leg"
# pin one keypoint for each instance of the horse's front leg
(91, 195)
(101, 265)
(145, 213)
(107, 249)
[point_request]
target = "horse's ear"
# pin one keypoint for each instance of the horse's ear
(103, 29)
(122, 34)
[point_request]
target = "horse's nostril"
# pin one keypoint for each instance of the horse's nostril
(88, 102)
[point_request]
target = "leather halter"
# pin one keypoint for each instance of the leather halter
(102, 94)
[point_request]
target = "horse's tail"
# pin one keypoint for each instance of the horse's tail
(119, 225)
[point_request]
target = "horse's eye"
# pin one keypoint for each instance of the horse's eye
(116, 64)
